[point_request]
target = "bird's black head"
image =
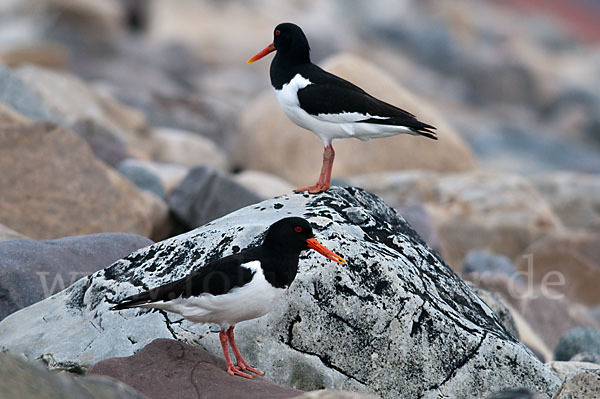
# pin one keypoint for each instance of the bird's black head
(293, 235)
(290, 43)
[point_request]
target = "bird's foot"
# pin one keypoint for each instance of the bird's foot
(246, 367)
(317, 188)
(237, 370)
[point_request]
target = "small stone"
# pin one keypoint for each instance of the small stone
(486, 262)
(577, 340)
(142, 177)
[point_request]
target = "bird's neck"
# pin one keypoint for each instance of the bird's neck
(280, 268)
(284, 68)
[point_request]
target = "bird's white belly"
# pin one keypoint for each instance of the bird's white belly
(330, 127)
(251, 301)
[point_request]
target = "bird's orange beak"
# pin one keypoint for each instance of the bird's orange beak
(270, 48)
(320, 248)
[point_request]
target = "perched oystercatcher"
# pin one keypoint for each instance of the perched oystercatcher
(238, 287)
(328, 105)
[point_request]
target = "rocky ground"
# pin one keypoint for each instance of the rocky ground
(129, 122)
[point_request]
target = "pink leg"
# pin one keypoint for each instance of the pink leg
(324, 181)
(231, 369)
(238, 356)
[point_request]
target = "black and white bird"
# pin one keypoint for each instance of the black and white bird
(328, 105)
(238, 287)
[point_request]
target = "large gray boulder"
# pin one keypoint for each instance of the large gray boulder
(395, 320)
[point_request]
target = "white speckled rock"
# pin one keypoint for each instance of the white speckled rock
(393, 321)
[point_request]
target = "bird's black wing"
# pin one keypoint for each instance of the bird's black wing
(216, 278)
(334, 99)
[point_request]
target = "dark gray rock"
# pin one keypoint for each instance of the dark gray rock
(206, 194)
(33, 270)
(486, 262)
(142, 177)
(577, 340)
(22, 379)
(170, 369)
(516, 393)
(395, 320)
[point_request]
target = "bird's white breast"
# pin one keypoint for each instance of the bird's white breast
(255, 299)
(330, 126)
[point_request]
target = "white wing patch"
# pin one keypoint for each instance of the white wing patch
(348, 117)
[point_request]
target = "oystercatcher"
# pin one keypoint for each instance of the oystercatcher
(238, 287)
(328, 105)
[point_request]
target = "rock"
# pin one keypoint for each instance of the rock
(587, 357)
(574, 197)
(485, 262)
(170, 174)
(33, 270)
(339, 327)
(577, 340)
(9, 234)
(567, 261)
(477, 210)
(269, 142)
(105, 144)
(206, 194)
(549, 316)
(142, 177)
(46, 55)
(264, 184)
(52, 186)
(185, 148)
(421, 220)
(327, 394)
(516, 393)
(22, 379)
(9, 116)
(498, 307)
(41, 94)
(571, 368)
(157, 211)
(585, 384)
(167, 368)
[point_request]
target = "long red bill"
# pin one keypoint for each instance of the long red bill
(270, 48)
(320, 248)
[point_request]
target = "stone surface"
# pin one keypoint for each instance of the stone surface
(8, 116)
(477, 210)
(498, 307)
(264, 184)
(516, 393)
(52, 186)
(577, 340)
(569, 262)
(185, 148)
(339, 327)
(485, 262)
(22, 379)
(9, 234)
(42, 94)
(270, 142)
(327, 394)
(588, 357)
(584, 384)
(206, 194)
(170, 174)
(571, 368)
(167, 368)
(548, 313)
(574, 197)
(33, 270)
(142, 177)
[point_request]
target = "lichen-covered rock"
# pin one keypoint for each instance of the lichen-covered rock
(394, 321)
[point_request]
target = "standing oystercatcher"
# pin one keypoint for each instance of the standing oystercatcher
(328, 105)
(238, 287)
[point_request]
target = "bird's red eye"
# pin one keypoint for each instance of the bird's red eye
(277, 32)
(298, 229)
